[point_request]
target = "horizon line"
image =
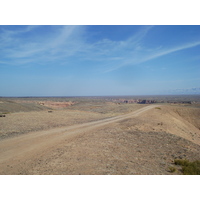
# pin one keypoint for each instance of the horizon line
(99, 96)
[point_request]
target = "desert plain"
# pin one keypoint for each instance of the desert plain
(98, 135)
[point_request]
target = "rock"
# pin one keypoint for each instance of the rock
(181, 157)
(162, 163)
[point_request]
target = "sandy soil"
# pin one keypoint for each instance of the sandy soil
(16, 123)
(143, 141)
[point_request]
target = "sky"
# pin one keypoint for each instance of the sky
(99, 60)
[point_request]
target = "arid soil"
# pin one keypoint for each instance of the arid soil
(98, 138)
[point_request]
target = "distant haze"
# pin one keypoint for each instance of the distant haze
(99, 60)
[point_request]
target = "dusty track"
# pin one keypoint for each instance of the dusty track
(32, 144)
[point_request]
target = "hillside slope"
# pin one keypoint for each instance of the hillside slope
(146, 143)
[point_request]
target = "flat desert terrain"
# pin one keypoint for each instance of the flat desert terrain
(97, 136)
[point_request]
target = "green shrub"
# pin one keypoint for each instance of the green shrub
(172, 169)
(181, 162)
(189, 168)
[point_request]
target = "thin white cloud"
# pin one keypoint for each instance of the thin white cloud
(26, 51)
(137, 37)
(144, 57)
(67, 41)
(60, 43)
(172, 50)
(9, 36)
(66, 32)
(130, 44)
(3, 62)
(23, 30)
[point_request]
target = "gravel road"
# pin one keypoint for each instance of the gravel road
(20, 148)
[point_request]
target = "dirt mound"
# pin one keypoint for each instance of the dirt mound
(192, 115)
(176, 120)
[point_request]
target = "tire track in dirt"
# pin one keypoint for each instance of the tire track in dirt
(32, 144)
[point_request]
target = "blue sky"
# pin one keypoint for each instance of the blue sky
(99, 60)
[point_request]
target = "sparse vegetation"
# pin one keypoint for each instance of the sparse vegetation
(172, 169)
(189, 168)
(156, 136)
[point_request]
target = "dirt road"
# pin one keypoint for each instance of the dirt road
(23, 147)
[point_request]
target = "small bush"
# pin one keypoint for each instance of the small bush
(158, 108)
(172, 169)
(189, 168)
(181, 162)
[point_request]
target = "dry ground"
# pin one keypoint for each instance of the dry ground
(99, 138)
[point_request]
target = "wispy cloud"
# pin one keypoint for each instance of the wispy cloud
(9, 37)
(65, 33)
(171, 50)
(65, 42)
(141, 55)
(61, 43)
